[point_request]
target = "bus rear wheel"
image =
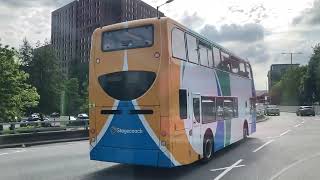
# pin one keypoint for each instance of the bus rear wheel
(207, 149)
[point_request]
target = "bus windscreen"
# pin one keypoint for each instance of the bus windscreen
(129, 38)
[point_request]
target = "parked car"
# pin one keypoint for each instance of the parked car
(80, 120)
(35, 118)
(272, 110)
(306, 111)
(55, 115)
(83, 117)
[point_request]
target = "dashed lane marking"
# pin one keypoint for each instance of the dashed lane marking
(298, 125)
(262, 146)
(13, 152)
(284, 133)
(3, 154)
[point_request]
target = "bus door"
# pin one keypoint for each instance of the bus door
(196, 121)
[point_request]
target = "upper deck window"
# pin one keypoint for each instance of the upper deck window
(178, 44)
(216, 56)
(192, 49)
(129, 38)
(249, 71)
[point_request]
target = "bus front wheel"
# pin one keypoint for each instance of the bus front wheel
(207, 149)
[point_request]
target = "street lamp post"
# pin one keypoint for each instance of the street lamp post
(291, 54)
(167, 2)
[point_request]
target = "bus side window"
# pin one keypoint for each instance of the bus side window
(178, 44)
(248, 70)
(192, 49)
(219, 108)
(210, 58)
(236, 107)
(242, 69)
(208, 110)
(196, 109)
(252, 105)
(183, 104)
(203, 55)
(235, 66)
(228, 108)
(216, 57)
(225, 64)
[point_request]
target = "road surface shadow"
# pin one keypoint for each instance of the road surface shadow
(132, 172)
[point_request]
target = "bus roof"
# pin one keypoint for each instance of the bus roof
(152, 20)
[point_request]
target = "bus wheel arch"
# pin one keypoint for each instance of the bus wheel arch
(208, 145)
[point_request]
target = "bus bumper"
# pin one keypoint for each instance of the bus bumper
(143, 157)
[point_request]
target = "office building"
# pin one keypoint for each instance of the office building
(73, 25)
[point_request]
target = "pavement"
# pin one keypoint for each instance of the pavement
(285, 147)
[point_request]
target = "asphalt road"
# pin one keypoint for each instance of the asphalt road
(285, 147)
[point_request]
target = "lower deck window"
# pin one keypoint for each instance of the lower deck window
(208, 110)
(218, 108)
(183, 106)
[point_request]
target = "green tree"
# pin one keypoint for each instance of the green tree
(26, 55)
(293, 86)
(84, 95)
(46, 76)
(15, 94)
(313, 81)
(80, 71)
(72, 97)
(275, 93)
(291, 89)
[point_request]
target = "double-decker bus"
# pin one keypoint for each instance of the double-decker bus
(162, 95)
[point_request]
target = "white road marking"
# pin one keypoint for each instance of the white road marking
(284, 133)
(228, 169)
(20, 151)
(256, 150)
(273, 137)
(276, 176)
(298, 125)
(220, 169)
(13, 152)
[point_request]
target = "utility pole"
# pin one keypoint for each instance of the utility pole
(291, 54)
(167, 2)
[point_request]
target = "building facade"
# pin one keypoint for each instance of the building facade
(276, 72)
(73, 25)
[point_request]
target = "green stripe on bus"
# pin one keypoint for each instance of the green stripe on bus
(224, 80)
(228, 132)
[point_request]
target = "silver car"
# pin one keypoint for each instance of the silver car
(272, 110)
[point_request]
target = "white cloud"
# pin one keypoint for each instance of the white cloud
(227, 22)
(255, 29)
(31, 19)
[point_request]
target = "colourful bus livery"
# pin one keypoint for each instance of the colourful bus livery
(162, 95)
